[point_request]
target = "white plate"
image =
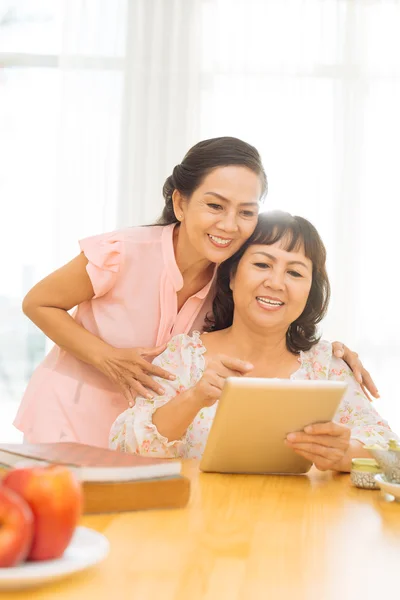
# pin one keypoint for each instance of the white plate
(86, 549)
(386, 486)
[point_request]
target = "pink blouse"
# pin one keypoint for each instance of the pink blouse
(135, 279)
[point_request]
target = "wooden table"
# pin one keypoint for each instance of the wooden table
(247, 537)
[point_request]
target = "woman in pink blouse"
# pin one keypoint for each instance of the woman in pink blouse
(270, 297)
(136, 288)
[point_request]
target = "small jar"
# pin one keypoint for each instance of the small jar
(394, 445)
(363, 471)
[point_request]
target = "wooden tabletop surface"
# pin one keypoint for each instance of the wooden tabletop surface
(247, 537)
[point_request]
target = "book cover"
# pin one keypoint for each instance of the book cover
(91, 463)
(148, 494)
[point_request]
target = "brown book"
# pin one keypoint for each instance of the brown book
(165, 492)
(112, 481)
(90, 462)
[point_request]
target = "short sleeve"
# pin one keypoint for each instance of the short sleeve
(355, 410)
(134, 431)
(104, 253)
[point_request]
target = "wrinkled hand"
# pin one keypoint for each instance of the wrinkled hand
(131, 372)
(360, 373)
(324, 444)
(208, 390)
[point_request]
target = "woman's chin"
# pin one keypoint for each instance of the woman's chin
(268, 320)
(218, 254)
(266, 325)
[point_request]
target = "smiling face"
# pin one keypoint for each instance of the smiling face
(271, 285)
(221, 214)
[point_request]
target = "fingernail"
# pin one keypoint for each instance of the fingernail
(377, 394)
(149, 396)
(359, 378)
(172, 377)
(160, 391)
(249, 366)
(339, 353)
(291, 437)
(130, 404)
(308, 429)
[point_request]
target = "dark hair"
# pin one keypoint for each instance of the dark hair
(295, 232)
(200, 160)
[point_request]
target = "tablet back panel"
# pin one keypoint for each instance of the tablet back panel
(253, 417)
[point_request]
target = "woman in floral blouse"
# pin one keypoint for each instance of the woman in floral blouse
(271, 295)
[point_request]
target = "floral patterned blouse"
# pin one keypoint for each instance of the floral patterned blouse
(134, 431)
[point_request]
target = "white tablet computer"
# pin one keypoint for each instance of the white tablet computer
(253, 417)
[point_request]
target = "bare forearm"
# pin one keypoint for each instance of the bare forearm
(47, 305)
(64, 331)
(173, 419)
(356, 450)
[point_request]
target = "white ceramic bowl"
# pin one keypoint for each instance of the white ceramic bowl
(86, 549)
(389, 461)
(388, 487)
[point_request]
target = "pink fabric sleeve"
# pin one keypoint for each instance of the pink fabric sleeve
(354, 410)
(104, 253)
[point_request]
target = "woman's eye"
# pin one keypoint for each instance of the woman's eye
(295, 274)
(214, 206)
(248, 213)
(262, 265)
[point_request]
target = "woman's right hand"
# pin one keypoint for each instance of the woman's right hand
(131, 372)
(209, 388)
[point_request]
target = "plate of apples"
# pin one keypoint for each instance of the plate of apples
(40, 541)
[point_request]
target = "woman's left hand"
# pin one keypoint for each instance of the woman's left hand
(324, 444)
(360, 373)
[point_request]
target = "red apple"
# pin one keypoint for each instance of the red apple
(16, 528)
(55, 497)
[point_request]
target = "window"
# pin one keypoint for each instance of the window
(99, 99)
(315, 86)
(61, 81)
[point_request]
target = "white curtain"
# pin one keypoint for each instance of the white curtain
(315, 85)
(161, 101)
(129, 85)
(129, 104)
(91, 79)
